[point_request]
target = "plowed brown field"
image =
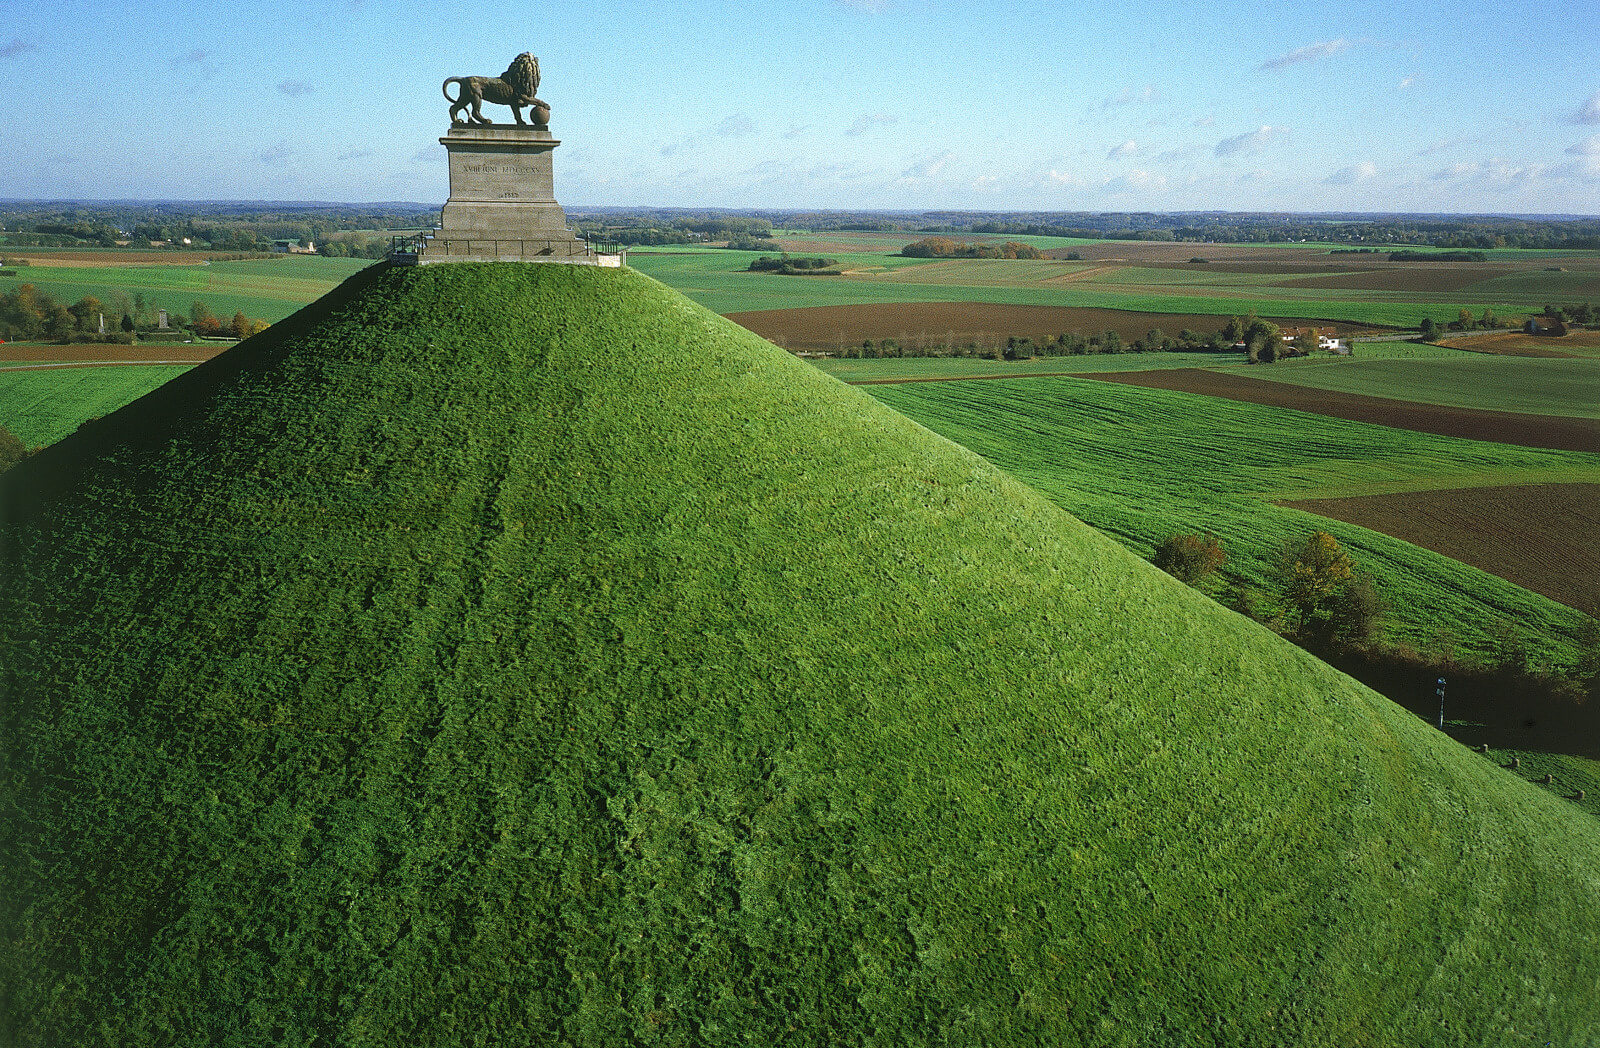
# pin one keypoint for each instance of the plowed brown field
(1543, 537)
(1517, 344)
(1532, 431)
(830, 327)
(95, 353)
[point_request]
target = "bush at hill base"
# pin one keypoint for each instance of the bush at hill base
(502, 654)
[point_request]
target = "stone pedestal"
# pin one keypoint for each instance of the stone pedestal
(502, 204)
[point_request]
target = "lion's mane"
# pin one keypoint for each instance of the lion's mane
(523, 75)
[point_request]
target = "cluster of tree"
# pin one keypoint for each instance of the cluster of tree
(654, 226)
(1581, 313)
(1438, 256)
(353, 245)
(1262, 342)
(750, 242)
(1464, 321)
(12, 449)
(789, 266)
(1319, 595)
(28, 313)
(944, 247)
(207, 324)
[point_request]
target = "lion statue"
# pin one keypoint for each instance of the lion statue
(515, 87)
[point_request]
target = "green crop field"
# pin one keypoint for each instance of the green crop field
(1535, 386)
(501, 654)
(267, 288)
(716, 278)
(1142, 464)
(42, 406)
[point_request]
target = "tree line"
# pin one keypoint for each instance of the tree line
(945, 247)
(1260, 340)
(29, 314)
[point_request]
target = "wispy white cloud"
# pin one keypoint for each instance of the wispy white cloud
(1443, 145)
(18, 46)
(295, 88)
(1588, 147)
(928, 167)
(1308, 53)
(1250, 141)
(1136, 179)
(867, 121)
(1407, 82)
(736, 125)
(1589, 113)
(1496, 173)
(1132, 96)
(1204, 121)
(1354, 173)
(1127, 148)
(1587, 166)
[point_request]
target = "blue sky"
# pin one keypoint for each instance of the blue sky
(1446, 105)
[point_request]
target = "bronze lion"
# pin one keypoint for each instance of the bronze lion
(515, 87)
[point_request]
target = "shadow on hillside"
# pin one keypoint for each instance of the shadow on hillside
(1505, 708)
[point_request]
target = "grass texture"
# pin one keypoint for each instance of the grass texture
(508, 654)
(42, 406)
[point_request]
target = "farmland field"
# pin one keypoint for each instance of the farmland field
(1143, 463)
(831, 328)
(269, 288)
(1515, 343)
(1537, 431)
(1302, 280)
(1520, 384)
(1545, 537)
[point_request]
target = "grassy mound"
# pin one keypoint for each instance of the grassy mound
(524, 655)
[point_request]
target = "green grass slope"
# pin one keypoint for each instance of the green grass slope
(524, 655)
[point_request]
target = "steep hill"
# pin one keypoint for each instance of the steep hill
(524, 655)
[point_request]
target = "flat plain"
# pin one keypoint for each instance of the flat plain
(269, 288)
(1289, 280)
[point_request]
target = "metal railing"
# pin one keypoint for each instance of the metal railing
(433, 244)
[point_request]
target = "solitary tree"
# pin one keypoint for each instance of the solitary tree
(1325, 597)
(1190, 558)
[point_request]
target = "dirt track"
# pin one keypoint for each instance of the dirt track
(1531, 431)
(1543, 537)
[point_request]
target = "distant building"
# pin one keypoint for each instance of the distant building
(292, 247)
(1545, 325)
